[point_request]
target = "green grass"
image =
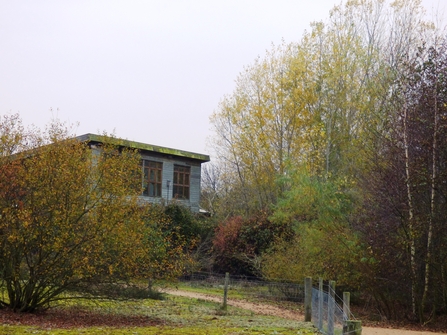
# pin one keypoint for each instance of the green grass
(174, 315)
(235, 293)
(10, 330)
(209, 289)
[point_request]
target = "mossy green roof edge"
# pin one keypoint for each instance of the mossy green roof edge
(144, 146)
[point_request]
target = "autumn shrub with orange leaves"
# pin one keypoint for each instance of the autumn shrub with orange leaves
(239, 242)
(70, 218)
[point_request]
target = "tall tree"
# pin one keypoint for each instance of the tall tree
(260, 125)
(409, 190)
(350, 98)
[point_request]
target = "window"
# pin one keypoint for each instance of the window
(152, 178)
(181, 182)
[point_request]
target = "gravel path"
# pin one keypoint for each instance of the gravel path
(266, 309)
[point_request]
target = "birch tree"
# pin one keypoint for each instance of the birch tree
(410, 193)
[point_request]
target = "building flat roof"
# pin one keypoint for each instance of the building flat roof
(143, 146)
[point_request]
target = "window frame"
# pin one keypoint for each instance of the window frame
(181, 186)
(155, 167)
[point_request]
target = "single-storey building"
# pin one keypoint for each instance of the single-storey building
(166, 173)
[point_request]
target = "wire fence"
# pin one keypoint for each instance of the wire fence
(251, 287)
(327, 315)
(330, 317)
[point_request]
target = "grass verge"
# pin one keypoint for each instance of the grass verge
(234, 293)
(173, 315)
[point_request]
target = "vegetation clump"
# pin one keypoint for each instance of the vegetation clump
(70, 219)
(341, 137)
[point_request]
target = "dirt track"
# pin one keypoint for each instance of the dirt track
(287, 314)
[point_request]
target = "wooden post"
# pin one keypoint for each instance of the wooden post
(346, 312)
(308, 299)
(346, 306)
(227, 279)
(353, 327)
(331, 308)
(320, 303)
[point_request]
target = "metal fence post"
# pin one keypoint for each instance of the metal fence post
(320, 303)
(331, 308)
(308, 299)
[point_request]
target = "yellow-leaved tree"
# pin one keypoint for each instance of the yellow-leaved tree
(261, 125)
(70, 217)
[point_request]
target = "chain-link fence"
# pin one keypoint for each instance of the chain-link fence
(327, 315)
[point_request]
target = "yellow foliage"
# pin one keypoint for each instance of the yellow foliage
(71, 215)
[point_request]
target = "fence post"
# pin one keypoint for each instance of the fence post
(346, 312)
(353, 327)
(320, 303)
(331, 308)
(227, 279)
(346, 305)
(308, 299)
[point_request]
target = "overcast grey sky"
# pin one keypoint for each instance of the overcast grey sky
(150, 71)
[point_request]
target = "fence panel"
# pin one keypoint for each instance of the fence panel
(322, 315)
(249, 286)
(327, 314)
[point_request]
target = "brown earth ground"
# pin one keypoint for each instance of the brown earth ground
(266, 309)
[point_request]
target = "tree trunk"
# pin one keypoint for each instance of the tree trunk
(432, 201)
(411, 227)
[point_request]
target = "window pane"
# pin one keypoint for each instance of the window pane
(181, 181)
(152, 177)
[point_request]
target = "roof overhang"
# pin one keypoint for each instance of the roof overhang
(143, 147)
